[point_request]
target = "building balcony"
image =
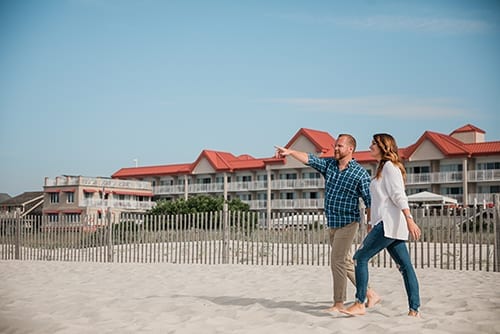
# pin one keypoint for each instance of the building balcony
(485, 175)
(288, 204)
(434, 178)
(240, 186)
(117, 204)
(97, 182)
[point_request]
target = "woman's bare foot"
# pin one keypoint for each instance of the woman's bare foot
(372, 298)
(413, 313)
(355, 309)
(335, 307)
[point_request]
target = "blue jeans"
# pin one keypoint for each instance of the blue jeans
(374, 242)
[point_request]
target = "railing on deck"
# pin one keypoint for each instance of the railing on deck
(464, 239)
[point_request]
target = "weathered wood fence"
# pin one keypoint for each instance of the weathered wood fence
(465, 239)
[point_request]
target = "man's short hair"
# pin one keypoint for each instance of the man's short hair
(350, 139)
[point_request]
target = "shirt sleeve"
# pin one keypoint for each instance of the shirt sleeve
(394, 185)
(319, 164)
(364, 190)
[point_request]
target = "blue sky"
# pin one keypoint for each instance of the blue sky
(87, 86)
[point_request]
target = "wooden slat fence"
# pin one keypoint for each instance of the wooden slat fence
(465, 239)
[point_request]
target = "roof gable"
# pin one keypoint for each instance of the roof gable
(322, 141)
(447, 145)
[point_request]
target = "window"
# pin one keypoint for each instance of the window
(452, 191)
(412, 191)
(493, 189)
(287, 195)
(310, 195)
(451, 168)
(488, 165)
(418, 169)
(245, 197)
(54, 197)
(244, 178)
(204, 180)
(87, 195)
(220, 179)
(70, 197)
(53, 217)
(262, 177)
(311, 175)
(288, 176)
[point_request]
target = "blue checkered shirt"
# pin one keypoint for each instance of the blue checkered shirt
(342, 190)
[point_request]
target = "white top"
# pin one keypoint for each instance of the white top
(388, 199)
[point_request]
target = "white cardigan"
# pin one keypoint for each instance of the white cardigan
(388, 199)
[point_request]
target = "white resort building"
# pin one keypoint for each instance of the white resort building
(461, 165)
(71, 198)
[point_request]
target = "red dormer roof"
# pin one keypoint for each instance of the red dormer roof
(467, 128)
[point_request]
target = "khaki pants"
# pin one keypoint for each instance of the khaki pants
(341, 264)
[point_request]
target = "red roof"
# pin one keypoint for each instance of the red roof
(322, 140)
(492, 147)
(446, 144)
(468, 128)
(324, 143)
(224, 161)
(153, 170)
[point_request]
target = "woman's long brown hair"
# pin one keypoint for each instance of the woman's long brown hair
(389, 152)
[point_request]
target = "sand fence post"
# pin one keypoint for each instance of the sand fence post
(109, 224)
(17, 248)
(225, 231)
(496, 203)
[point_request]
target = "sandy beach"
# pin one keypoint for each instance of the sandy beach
(76, 297)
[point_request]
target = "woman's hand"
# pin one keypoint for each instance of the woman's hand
(413, 229)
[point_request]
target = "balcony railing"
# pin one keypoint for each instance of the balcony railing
(487, 175)
(434, 178)
(118, 204)
(240, 186)
(97, 182)
(484, 175)
(292, 204)
(319, 184)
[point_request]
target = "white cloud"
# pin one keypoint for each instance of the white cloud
(399, 23)
(393, 106)
(421, 24)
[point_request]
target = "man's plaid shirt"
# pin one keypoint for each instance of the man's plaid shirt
(342, 190)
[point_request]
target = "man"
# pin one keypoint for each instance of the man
(345, 182)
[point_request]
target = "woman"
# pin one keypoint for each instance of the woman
(392, 222)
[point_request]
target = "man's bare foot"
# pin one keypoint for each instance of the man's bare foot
(413, 313)
(372, 298)
(355, 309)
(335, 307)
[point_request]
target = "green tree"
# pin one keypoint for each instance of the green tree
(195, 204)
